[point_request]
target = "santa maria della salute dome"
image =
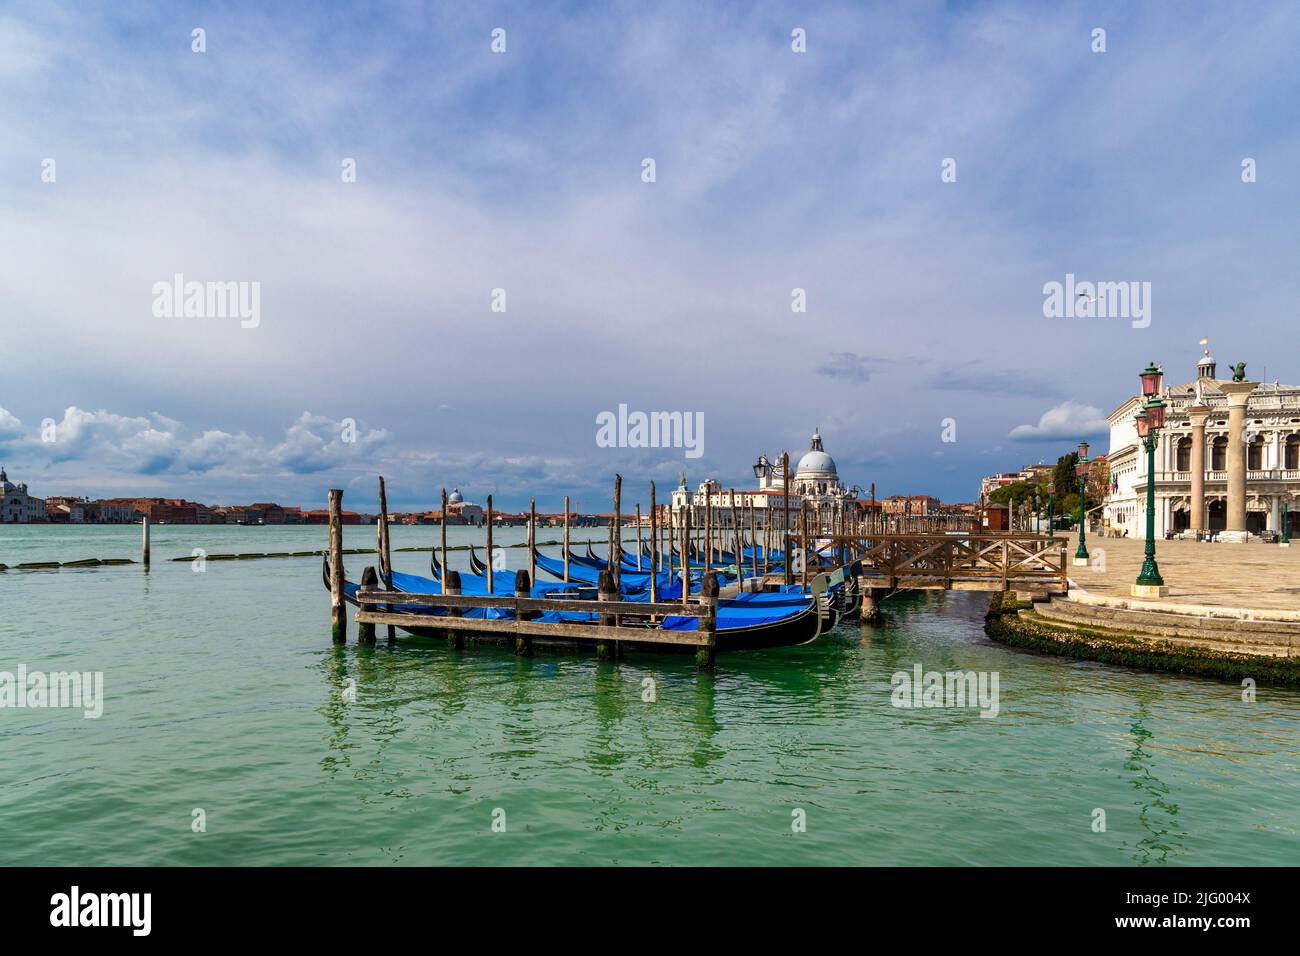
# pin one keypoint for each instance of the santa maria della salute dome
(816, 473)
(814, 483)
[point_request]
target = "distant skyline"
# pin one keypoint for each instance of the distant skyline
(915, 180)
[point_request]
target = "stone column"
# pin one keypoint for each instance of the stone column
(1198, 415)
(1238, 393)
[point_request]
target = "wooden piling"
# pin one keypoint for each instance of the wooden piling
(338, 616)
(617, 561)
(787, 574)
(607, 590)
(654, 545)
(753, 540)
(686, 551)
(444, 540)
(705, 653)
(737, 544)
(638, 536)
(523, 589)
(708, 528)
(369, 582)
(532, 539)
(489, 546)
(566, 539)
(385, 549)
(803, 544)
(451, 587)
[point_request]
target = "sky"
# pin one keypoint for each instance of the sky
(919, 172)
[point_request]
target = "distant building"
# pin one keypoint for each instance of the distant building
(815, 484)
(65, 510)
(16, 505)
(460, 511)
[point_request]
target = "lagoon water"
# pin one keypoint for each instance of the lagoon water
(223, 694)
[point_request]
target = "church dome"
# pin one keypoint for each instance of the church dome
(816, 461)
(455, 497)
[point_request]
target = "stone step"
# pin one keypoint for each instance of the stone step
(1272, 637)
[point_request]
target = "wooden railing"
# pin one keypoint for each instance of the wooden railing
(969, 562)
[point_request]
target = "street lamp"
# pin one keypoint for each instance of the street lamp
(1081, 470)
(1038, 504)
(1150, 420)
(1051, 506)
(1286, 521)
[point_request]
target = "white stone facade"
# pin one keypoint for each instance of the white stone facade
(1272, 459)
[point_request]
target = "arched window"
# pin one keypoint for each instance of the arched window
(1219, 454)
(1292, 451)
(1255, 454)
(1183, 455)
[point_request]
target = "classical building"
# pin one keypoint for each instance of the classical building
(1227, 457)
(16, 505)
(814, 483)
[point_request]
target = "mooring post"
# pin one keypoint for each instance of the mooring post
(338, 616)
(709, 528)
(654, 545)
(443, 532)
(787, 574)
(532, 539)
(606, 590)
(566, 539)
(523, 591)
(704, 654)
(451, 587)
(686, 549)
(803, 545)
(638, 536)
(144, 544)
(369, 582)
(386, 551)
(490, 558)
(616, 562)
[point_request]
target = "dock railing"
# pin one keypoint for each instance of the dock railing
(955, 562)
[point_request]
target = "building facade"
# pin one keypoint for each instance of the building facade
(1224, 443)
(16, 505)
(815, 484)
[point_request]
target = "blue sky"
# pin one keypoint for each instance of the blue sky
(775, 170)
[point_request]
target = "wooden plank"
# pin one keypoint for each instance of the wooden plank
(510, 603)
(590, 632)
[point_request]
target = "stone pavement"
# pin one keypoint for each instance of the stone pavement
(1248, 576)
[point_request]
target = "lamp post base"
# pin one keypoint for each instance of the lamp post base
(1079, 562)
(1149, 590)
(1284, 544)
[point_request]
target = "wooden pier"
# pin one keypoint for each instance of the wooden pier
(846, 572)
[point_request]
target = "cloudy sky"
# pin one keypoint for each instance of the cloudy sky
(127, 159)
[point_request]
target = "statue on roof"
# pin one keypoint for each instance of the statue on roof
(1239, 372)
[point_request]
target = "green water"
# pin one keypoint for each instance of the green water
(223, 693)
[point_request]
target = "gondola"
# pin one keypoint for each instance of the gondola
(746, 622)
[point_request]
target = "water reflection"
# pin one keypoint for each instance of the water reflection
(1157, 814)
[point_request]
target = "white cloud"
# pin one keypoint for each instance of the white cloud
(1069, 420)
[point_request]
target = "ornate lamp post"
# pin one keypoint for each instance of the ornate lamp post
(1081, 470)
(1051, 506)
(1150, 420)
(1038, 506)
